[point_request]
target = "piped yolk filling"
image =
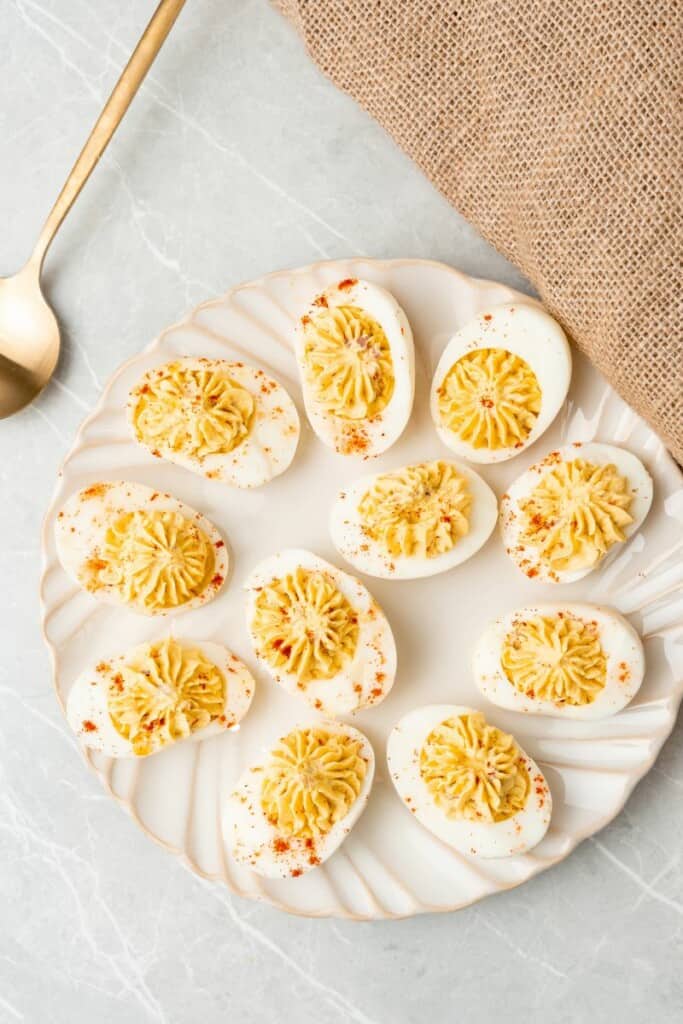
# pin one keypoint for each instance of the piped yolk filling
(490, 398)
(196, 412)
(304, 625)
(420, 511)
(311, 781)
(164, 694)
(349, 368)
(474, 771)
(576, 513)
(556, 658)
(157, 559)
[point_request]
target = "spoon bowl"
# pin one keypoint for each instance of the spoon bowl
(29, 332)
(29, 340)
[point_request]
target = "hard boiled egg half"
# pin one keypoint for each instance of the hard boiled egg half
(564, 660)
(128, 544)
(319, 633)
(225, 420)
(294, 808)
(565, 514)
(415, 521)
(354, 347)
(468, 782)
(500, 382)
(136, 704)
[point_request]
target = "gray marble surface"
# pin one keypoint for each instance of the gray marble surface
(237, 158)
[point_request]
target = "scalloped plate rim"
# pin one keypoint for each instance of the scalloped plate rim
(670, 704)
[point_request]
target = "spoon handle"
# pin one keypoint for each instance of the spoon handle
(128, 84)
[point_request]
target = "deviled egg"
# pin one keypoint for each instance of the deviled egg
(564, 660)
(293, 809)
(415, 521)
(468, 782)
(128, 544)
(354, 348)
(500, 382)
(565, 514)
(224, 420)
(319, 633)
(157, 694)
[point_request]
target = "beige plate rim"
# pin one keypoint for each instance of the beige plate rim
(658, 738)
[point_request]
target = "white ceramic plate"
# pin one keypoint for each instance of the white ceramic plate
(389, 866)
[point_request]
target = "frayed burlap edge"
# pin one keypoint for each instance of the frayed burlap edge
(552, 128)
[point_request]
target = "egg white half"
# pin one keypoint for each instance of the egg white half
(268, 449)
(364, 438)
(368, 556)
(369, 677)
(86, 516)
(620, 642)
(253, 841)
(88, 714)
(517, 834)
(527, 332)
(525, 555)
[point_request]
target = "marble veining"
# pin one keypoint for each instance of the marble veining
(237, 158)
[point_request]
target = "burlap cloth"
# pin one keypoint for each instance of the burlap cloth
(552, 126)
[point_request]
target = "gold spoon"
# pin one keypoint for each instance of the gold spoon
(29, 333)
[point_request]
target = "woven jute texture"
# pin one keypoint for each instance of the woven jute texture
(554, 126)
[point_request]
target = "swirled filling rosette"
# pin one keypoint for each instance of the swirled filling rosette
(354, 349)
(158, 694)
(319, 633)
(579, 661)
(128, 544)
(290, 811)
(500, 382)
(414, 521)
(563, 516)
(468, 782)
(227, 421)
